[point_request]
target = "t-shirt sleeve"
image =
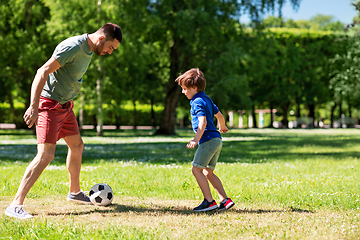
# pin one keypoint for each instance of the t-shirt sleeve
(215, 109)
(199, 109)
(64, 54)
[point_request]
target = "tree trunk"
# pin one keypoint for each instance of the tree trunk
(153, 120)
(332, 115)
(134, 114)
(350, 112)
(285, 121)
(167, 124)
(271, 117)
(298, 111)
(99, 127)
(341, 115)
(312, 114)
(254, 117)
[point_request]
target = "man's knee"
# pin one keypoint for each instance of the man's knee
(46, 150)
(45, 156)
(75, 144)
(80, 145)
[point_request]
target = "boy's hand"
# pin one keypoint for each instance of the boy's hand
(224, 129)
(191, 144)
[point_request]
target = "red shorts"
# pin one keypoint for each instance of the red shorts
(55, 121)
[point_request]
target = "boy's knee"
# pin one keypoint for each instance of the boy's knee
(196, 170)
(208, 172)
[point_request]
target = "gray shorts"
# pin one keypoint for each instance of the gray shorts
(207, 154)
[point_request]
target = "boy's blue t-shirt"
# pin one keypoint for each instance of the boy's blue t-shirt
(202, 105)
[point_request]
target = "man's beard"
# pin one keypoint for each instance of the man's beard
(99, 49)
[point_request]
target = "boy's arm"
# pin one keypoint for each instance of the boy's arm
(199, 132)
(223, 128)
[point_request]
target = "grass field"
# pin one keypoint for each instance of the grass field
(287, 184)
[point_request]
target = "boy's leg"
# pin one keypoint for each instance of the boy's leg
(73, 160)
(216, 183)
(42, 159)
(203, 183)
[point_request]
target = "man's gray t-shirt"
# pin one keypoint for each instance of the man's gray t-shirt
(74, 55)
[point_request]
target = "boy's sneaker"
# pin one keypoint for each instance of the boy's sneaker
(206, 206)
(226, 204)
(17, 212)
(79, 198)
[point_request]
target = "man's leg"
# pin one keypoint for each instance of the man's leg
(73, 164)
(73, 160)
(44, 156)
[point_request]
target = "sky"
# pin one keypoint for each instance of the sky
(341, 10)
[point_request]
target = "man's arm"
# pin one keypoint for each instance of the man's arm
(223, 128)
(31, 114)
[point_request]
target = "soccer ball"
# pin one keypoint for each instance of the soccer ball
(101, 194)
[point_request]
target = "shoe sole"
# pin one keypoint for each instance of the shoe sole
(15, 216)
(79, 201)
(207, 209)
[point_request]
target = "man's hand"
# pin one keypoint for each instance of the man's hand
(31, 116)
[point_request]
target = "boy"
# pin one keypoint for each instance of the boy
(202, 112)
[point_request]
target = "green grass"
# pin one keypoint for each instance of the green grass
(287, 184)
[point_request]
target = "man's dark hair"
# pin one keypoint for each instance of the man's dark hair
(111, 32)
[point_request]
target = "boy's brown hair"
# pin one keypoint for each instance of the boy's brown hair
(192, 78)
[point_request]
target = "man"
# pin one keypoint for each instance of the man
(54, 87)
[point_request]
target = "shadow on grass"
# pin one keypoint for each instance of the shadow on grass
(174, 152)
(118, 208)
(250, 147)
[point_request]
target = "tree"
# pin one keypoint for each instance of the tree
(316, 23)
(325, 23)
(345, 73)
(190, 27)
(24, 41)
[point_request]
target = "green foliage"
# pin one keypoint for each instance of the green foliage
(245, 69)
(345, 72)
(290, 66)
(24, 41)
(316, 23)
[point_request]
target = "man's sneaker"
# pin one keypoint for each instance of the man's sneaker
(17, 212)
(79, 198)
(206, 206)
(226, 204)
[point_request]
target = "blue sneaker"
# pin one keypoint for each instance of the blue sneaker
(17, 212)
(206, 206)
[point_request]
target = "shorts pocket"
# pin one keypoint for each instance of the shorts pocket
(47, 104)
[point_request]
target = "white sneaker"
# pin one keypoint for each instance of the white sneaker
(17, 212)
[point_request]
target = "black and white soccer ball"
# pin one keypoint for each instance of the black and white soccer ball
(101, 194)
